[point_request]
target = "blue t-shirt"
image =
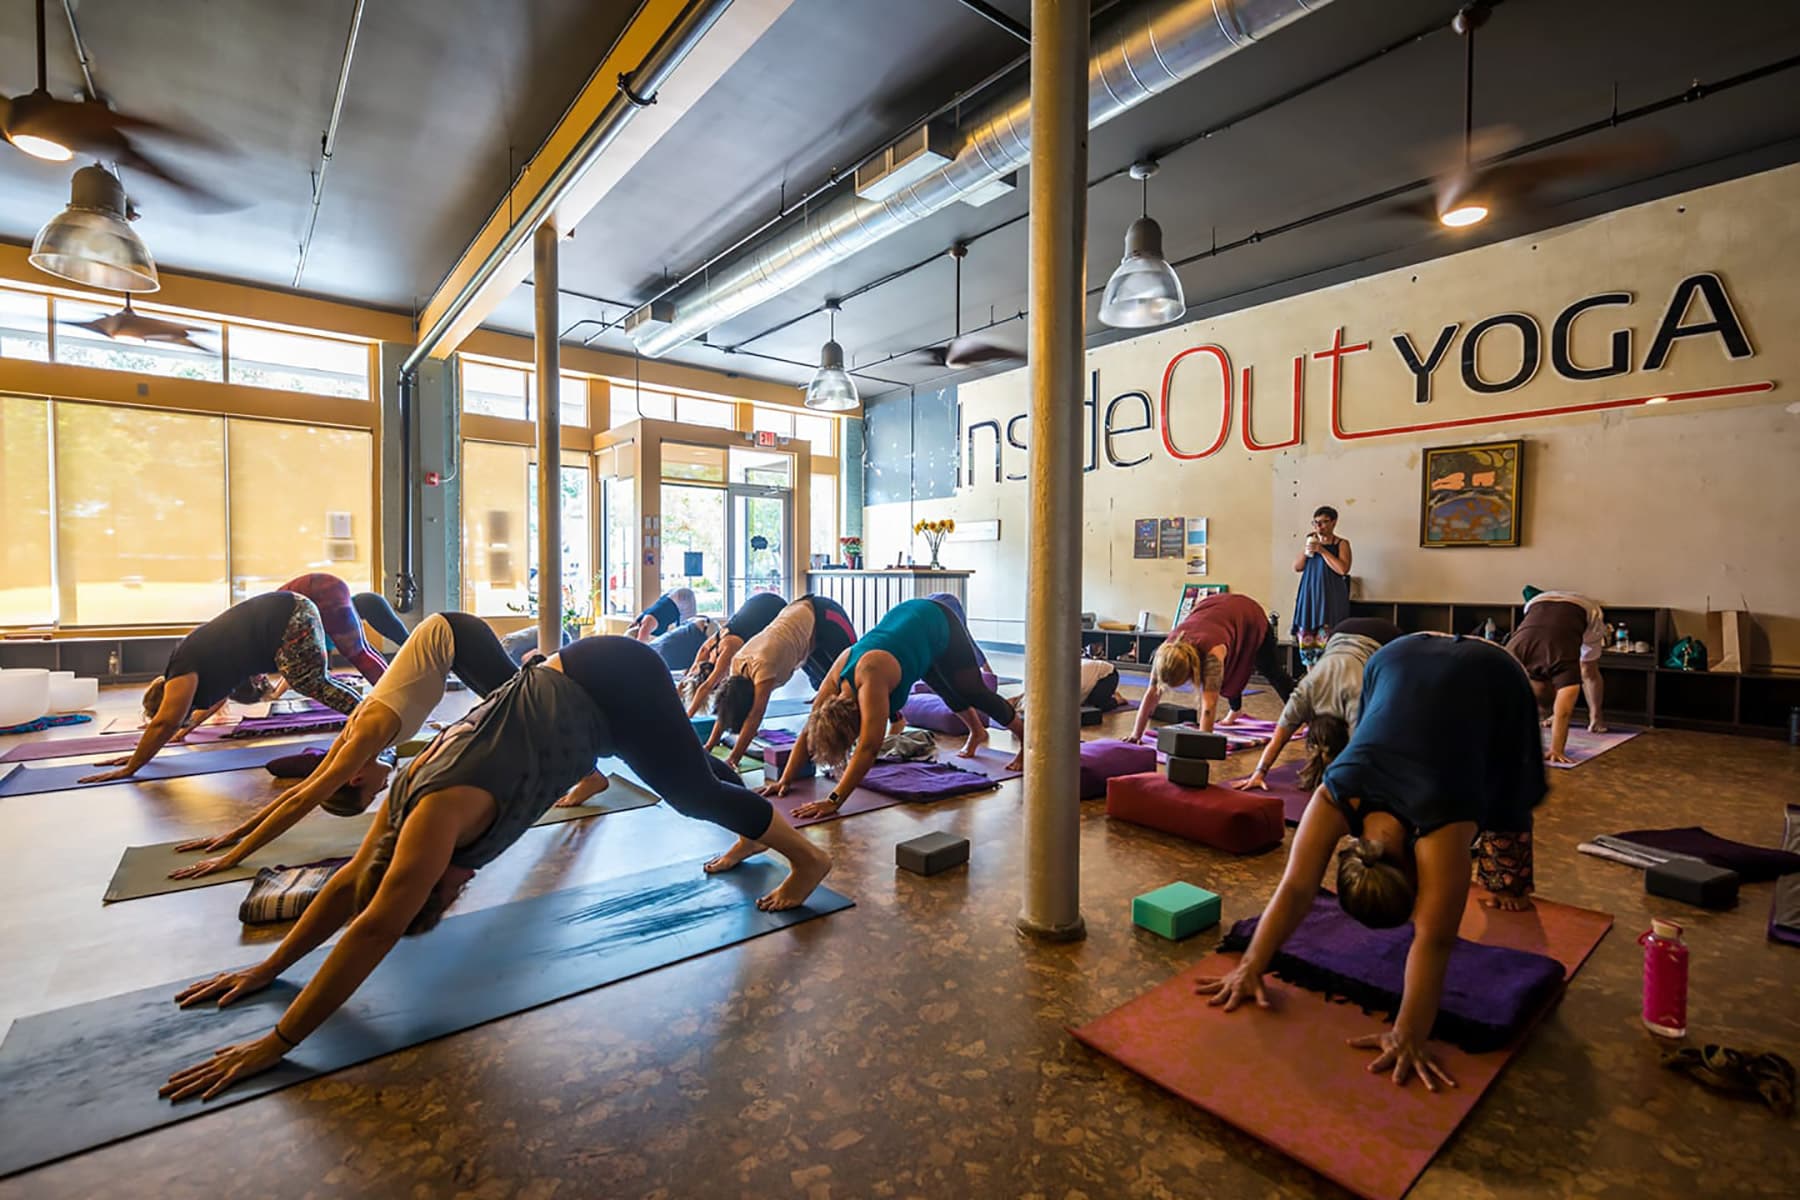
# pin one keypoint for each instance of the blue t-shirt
(916, 633)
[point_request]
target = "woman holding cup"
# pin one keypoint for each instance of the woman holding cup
(1323, 601)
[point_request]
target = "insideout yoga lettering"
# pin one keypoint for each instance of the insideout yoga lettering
(1497, 355)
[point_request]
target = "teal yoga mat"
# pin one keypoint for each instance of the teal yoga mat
(31, 781)
(84, 1076)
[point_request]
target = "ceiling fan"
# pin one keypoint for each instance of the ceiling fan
(1464, 193)
(962, 351)
(54, 130)
(129, 325)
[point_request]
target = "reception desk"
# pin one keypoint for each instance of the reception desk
(867, 595)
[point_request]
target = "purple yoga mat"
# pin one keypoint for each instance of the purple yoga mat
(1490, 992)
(1754, 864)
(1284, 781)
(1583, 745)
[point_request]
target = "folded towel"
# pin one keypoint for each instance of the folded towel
(924, 781)
(282, 893)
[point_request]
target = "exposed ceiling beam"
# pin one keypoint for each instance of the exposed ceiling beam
(733, 33)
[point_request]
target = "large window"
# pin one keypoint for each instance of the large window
(819, 432)
(496, 389)
(300, 503)
(200, 357)
(717, 414)
(293, 362)
(27, 595)
(824, 514)
(693, 543)
(618, 501)
(576, 539)
(499, 517)
(631, 403)
(24, 326)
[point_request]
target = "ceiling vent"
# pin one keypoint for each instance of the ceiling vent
(924, 150)
(651, 316)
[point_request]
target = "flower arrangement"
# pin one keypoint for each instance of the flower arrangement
(935, 532)
(851, 547)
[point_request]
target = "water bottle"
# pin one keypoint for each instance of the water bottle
(1622, 639)
(112, 663)
(1665, 979)
(1487, 630)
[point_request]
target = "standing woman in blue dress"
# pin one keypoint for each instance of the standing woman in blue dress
(1324, 597)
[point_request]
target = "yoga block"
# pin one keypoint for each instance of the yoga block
(1693, 882)
(1177, 713)
(1189, 772)
(1105, 758)
(1224, 818)
(1090, 715)
(1186, 741)
(702, 726)
(931, 853)
(775, 760)
(1176, 911)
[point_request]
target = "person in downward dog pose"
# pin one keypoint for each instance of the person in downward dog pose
(1327, 700)
(351, 773)
(861, 697)
(380, 616)
(341, 621)
(808, 635)
(278, 632)
(1220, 643)
(671, 609)
(466, 798)
(1444, 768)
(1559, 642)
(712, 662)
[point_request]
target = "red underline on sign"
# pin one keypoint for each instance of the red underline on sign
(1741, 389)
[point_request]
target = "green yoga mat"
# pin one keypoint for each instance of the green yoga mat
(144, 870)
(87, 1075)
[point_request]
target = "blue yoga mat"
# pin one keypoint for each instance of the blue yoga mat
(29, 781)
(81, 1077)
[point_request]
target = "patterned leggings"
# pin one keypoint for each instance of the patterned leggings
(305, 663)
(338, 617)
(1503, 862)
(1312, 644)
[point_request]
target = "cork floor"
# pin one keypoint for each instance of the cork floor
(915, 1045)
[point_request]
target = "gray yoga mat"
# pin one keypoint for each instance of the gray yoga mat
(144, 870)
(786, 708)
(31, 781)
(84, 1076)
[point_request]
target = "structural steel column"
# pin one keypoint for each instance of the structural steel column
(1058, 306)
(549, 440)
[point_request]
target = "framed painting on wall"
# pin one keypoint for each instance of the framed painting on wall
(1470, 495)
(1190, 596)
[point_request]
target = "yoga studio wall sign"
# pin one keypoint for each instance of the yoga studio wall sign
(1494, 356)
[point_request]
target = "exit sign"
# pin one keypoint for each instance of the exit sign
(766, 437)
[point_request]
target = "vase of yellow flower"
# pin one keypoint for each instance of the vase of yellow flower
(935, 532)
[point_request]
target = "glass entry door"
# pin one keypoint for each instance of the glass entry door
(759, 538)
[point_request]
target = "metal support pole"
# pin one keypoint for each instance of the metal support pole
(544, 247)
(1058, 306)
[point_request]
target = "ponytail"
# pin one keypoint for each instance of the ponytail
(1326, 737)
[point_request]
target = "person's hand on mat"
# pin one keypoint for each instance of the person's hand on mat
(124, 771)
(223, 841)
(1133, 738)
(1507, 902)
(1406, 1058)
(228, 986)
(205, 866)
(1240, 987)
(1552, 756)
(773, 790)
(817, 808)
(1258, 779)
(224, 1068)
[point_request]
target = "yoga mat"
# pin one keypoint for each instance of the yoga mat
(30, 781)
(1583, 745)
(787, 708)
(144, 870)
(1284, 781)
(1285, 1077)
(84, 1076)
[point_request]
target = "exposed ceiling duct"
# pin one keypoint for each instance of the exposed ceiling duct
(1144, 52)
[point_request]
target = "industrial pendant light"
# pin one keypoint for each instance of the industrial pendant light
(22, 120)
(831, 389)
(1463, 205)
(91, 241)
(1143, 291)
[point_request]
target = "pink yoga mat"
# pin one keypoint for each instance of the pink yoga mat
(1285, 1077)
(1583, 745)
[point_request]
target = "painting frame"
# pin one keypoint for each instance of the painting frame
(1465, 464)
(1190, 596)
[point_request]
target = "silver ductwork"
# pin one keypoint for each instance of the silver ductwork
(1144, 52)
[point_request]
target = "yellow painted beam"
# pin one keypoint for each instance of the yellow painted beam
(736, 30)
(61, 381)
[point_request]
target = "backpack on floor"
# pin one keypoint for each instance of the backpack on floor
(1689, 654)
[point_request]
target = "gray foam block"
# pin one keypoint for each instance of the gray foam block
(84, 1076)
(1189, 772)
(1091, 715)
(932, 852)
(1186, 741)
(1176, 713)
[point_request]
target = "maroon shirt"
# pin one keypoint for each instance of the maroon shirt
(1235, 622)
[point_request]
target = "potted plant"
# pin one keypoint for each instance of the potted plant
(935, 532)
(852, 551)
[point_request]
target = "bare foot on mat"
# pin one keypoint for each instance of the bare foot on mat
(807, 875)
(740, 850)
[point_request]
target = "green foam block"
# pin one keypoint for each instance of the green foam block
(703, 726)
(1176, 911)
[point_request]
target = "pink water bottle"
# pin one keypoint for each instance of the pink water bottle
(1665, 979)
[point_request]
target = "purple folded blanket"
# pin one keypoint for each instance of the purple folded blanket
(1754, 864)
(304, 722)
(924, 781)
(1490, 992)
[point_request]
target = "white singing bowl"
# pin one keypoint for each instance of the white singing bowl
(70, 694)
(24, 695)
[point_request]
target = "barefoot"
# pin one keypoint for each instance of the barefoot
(591, 785)
(1229, 718)
(1596, 727)
(740, 850)
(1018, 762)
(977, 739)
(807, 874)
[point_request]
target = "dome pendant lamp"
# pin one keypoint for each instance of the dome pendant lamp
(832, 389)
(1144, 291)
(91, 242)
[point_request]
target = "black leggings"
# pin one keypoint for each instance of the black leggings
(956, 675)
(380, 616)
(1270, 666)
(1102, 694)
(832, 635)
(650, 730)
(480, 660)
